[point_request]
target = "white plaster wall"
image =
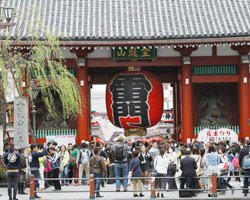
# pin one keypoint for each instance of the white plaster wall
(67, 54)
(167, 52)
(202, 51)
(226, 51)
(100, 53)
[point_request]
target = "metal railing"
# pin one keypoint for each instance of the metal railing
(152, 180)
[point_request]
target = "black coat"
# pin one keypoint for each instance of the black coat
(244, 151)
(188, 167)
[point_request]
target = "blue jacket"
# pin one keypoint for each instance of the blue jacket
(135, 167)
(33, 159)
(213, 159)
(12, 160)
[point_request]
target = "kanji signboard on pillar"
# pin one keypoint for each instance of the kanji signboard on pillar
(134, 99)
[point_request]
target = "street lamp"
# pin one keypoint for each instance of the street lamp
(8, 14)
(35, 92)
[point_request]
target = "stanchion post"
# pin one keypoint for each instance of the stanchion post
(32, 187)
(91, 187)
(153, 193)
(214, 184)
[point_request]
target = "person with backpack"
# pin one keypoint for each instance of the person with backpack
(34, 163)
(121, 166)
(98, 169)
(82, 162)
(12, 161)
(244, 161)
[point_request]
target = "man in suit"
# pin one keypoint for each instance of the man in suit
(246, 172)
(188, 167)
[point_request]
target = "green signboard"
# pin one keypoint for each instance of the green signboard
(133, 53)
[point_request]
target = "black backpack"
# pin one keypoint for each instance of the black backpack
(119, 153)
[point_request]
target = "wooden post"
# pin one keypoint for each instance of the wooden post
(186, 93)
(153, 192)
(244, 97)
(214, 184)
(243, 89)
(91, 187)
(32, 187)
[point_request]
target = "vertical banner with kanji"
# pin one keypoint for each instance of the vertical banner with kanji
(21, 117)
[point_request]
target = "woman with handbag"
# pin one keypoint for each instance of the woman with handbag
(64, 165)
(172, 167)
(197, 157)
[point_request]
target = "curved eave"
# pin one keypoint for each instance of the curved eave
(151, 42)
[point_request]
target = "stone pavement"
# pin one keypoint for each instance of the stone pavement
(82, 192)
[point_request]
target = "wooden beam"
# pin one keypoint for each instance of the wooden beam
(216, 79)
(165, 62)
(150, 42)
(159, 62)
(104, 78)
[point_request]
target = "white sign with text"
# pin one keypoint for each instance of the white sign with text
(223, 134)
(62, 139)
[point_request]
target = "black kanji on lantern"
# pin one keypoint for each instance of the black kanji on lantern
(130, 94)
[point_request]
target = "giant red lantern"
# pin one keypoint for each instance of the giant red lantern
(134, 99)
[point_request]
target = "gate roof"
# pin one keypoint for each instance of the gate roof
(105, 20)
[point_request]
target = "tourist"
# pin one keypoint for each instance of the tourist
(12, 162)
(172, 167)
(73, 163)
(70, 173)
(98, 169)
(145, 164)
(82, 162)
(34, 163)
(213, 161)
(160, 166)
(121, 166)
(154, 151)
(64, 165)
(246, 172)
(41, 168)
(197, 157)
(136, 174)
(188, 167)
(22, 173)
(55, 164)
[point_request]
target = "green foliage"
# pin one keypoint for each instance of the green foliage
(43, 65)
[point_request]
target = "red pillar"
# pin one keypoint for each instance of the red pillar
(244, 97)
(187, 101)
(243, 90)
(83, 128)
(187, 132)
(83, 118)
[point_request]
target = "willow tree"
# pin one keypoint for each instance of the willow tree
(41, 64)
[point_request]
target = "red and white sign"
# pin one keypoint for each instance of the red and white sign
(223, 134)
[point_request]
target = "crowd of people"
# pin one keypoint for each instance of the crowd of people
(190, 164)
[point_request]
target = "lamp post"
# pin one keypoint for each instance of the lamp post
(35, 92)
(8, 15)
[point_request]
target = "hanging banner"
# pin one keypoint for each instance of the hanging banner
(223, 134)
(21, 117)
